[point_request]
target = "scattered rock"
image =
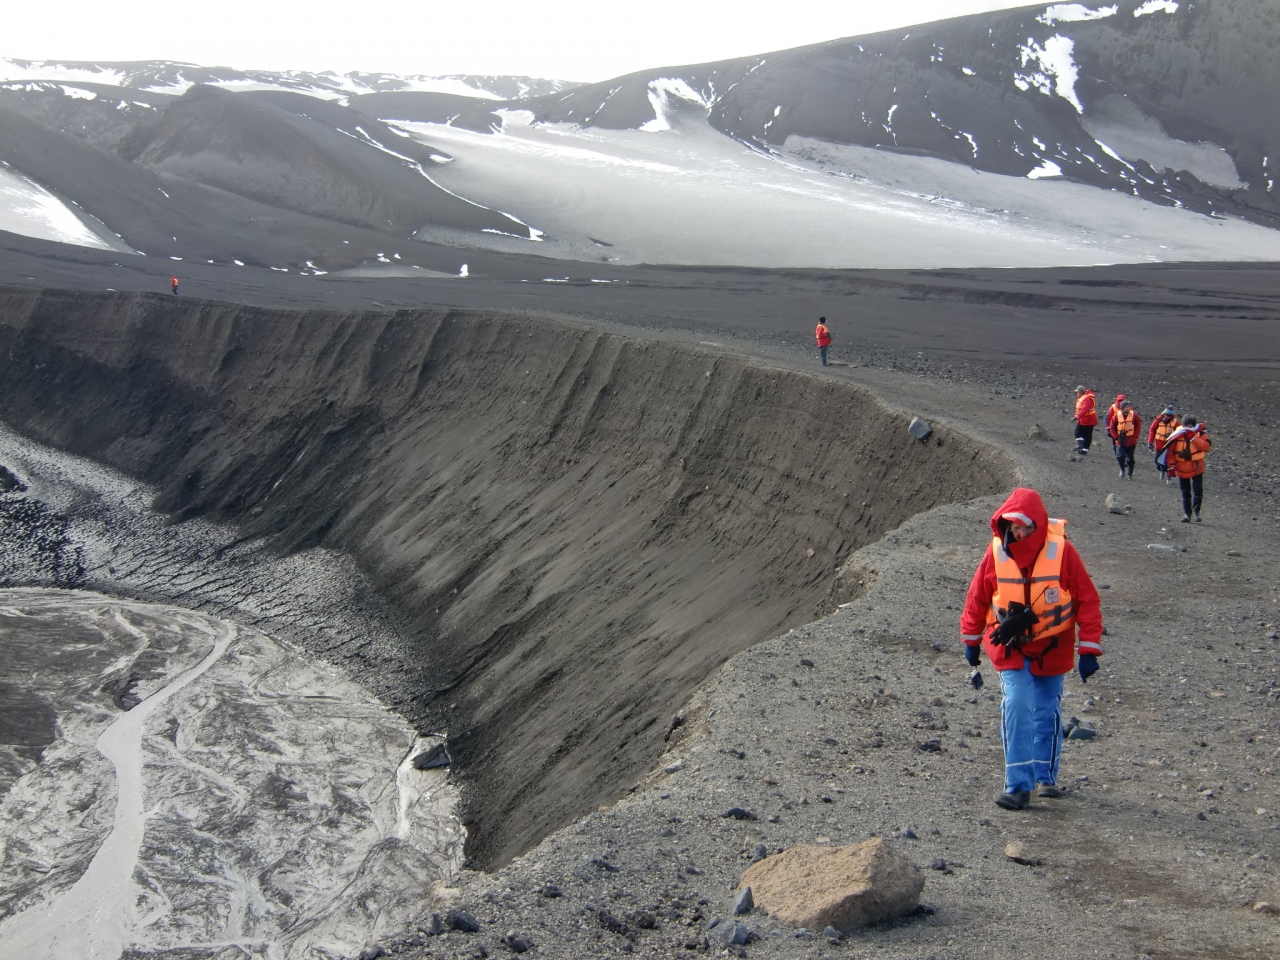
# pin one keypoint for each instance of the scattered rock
(462, 921)
(1115, 504)
(674, 767)
(937, 863)
(550, 891)
(433, 758)
(603, 864)
(932, 746)
(908, 834)
(1162, 547)
(737, 813)
(733, 934)
(832, 934)
(1018, 853)
(1073, 729)
(517, 942)
(919, 429)
(806, 662)
(614, 925)
(761, 851)
(10, 483)
(1037, 432)
(643, 919)
(743, 902)
(845, 887)
(372, 953)
(1268, 908)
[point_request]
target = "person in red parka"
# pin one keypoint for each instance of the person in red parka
(1086, 418)
(822, 334)
(1030, 604)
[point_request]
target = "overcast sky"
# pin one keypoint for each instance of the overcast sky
(559, 39)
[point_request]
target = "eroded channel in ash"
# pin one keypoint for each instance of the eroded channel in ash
(534, 537)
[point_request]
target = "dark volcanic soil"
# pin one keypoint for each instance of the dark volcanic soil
(1167, 837)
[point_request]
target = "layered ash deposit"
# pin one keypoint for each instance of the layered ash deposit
(576, 527)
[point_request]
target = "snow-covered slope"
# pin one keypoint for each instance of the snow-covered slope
(168, 77)
(1063, 133)
(1169, 101)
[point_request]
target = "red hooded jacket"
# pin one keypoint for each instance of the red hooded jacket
(1075, 579)
(1086, 410)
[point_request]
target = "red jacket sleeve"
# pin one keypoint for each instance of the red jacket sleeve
(973, 619)
(1088, 604)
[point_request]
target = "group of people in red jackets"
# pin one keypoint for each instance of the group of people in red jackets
(1179, 444)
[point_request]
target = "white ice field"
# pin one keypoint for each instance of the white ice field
(689, 195)
(28, 209)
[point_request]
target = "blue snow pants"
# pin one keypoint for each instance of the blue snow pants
(1030, 728)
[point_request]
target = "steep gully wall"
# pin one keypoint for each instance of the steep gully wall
(578, 527)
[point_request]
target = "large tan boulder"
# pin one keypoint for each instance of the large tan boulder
(844, 887)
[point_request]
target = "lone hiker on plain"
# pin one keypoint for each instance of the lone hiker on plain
(173, 285)
(1028, 598)
(823, 336)
(1086, 418)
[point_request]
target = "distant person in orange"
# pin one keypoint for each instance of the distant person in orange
(1126, 426)
(173, 285)
(1184, 454)
(1111, 416)
(1086, 418)
(1162, 428)
(823, 336)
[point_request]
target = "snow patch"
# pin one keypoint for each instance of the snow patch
(1156, 6)
(29, 210)
(78, 93)
(661, 93)
(968, 72)
(1054, 69)
(463, 271)
(1075, 13)
(1047, 168)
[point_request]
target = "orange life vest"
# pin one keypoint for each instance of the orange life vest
(1164, 426)
(823, 335)
(1185, 456)
(1042, 592)
(1124, 426)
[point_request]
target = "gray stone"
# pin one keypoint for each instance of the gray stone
(1037, 432)
(733, 933)
(743, 903)
(761, 851)
(832, 934)
(737, 813)
(1115, 504)
(461, 920)
(432, 759)
(517, 942)
(919, 429)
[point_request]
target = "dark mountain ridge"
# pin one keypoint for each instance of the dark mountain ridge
(1004, 92)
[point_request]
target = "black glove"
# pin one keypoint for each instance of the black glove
(975, 679)
(1088, 666)
(972, 654)
(1015, 626)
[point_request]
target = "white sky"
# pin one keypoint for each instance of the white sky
(562, 39)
